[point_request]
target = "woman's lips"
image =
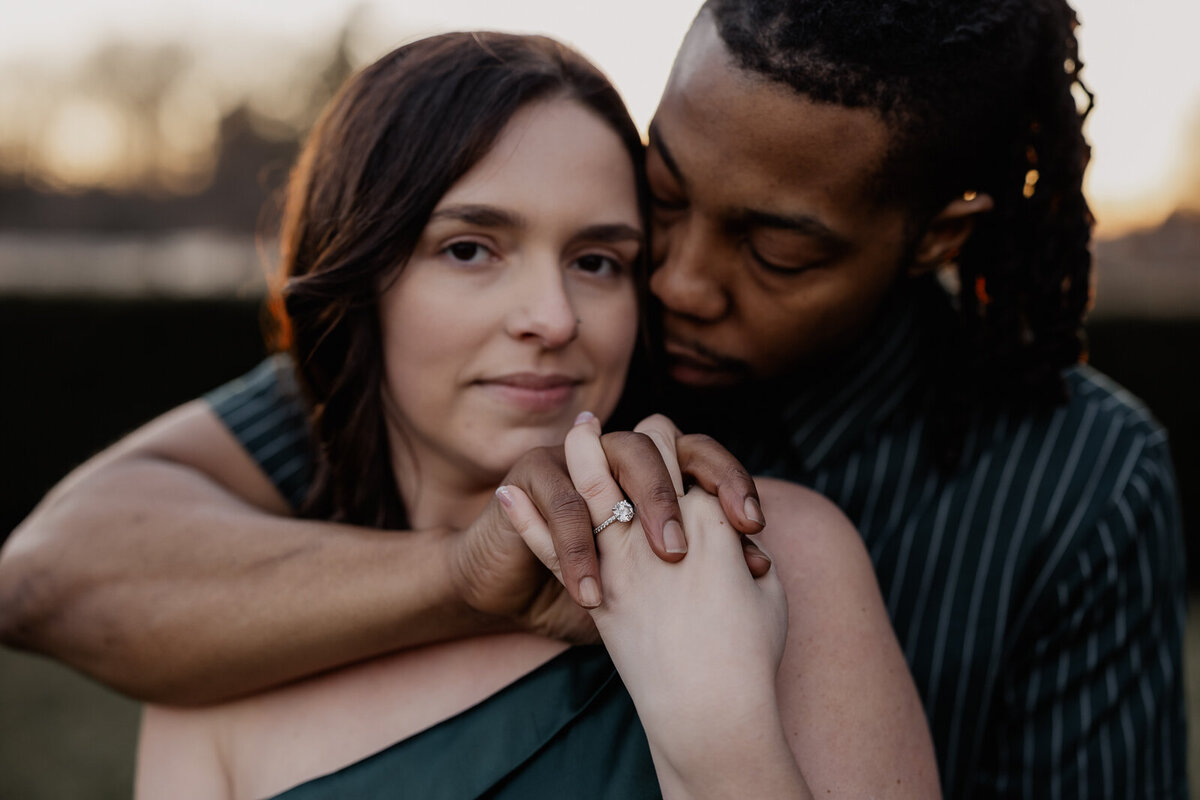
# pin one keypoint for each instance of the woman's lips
(532, 392)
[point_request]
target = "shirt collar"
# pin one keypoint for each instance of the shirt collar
(858, 391)
(794, 426)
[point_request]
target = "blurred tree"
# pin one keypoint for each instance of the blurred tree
(143, 186)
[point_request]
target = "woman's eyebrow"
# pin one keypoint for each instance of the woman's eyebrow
(614, 232)
(482, 215)
(486, 216)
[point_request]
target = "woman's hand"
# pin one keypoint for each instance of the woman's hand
(699, 626)
(495, 574)
(697, 643)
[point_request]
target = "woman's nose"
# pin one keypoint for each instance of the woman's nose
(543, 310)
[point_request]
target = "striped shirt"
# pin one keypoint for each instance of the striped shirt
(1037, 591)
(264, 411)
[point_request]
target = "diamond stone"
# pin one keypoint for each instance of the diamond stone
(623, 511)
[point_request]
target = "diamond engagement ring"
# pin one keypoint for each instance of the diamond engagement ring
(622, 512)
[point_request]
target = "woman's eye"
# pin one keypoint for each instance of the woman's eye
(596, 264)
(468, 252)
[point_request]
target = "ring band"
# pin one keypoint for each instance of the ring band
(623, 511)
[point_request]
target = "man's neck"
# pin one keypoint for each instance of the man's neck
(888, 351)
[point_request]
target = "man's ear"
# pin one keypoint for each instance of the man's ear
(948, 231)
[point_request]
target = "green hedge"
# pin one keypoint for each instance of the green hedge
(79, 373)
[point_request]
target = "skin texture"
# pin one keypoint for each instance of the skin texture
(771, 249)
(739, 687)
(132, 567)
(732, 674)
(704, 639)
(516, 313)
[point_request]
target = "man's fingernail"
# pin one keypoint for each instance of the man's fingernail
(584, 416)
(504, 497)
(589, 592)
(753, 511)
(756, 551)
(673, 537)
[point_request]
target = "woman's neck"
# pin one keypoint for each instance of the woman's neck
(436, 492)
(432, 503)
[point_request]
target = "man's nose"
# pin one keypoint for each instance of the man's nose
(688, 278)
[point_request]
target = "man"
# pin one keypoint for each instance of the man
(816, 167)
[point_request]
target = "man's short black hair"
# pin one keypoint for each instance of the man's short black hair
(979, 96)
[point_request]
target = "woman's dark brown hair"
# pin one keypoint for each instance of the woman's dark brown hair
(390, 144)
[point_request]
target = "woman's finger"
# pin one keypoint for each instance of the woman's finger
(528, 522)
(542, 475)
(588, 467)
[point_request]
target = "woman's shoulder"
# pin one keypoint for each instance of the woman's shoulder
(806, 532)
(788, 505)
(271, 741)
(793, 497)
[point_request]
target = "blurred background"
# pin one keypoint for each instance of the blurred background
(141, 143)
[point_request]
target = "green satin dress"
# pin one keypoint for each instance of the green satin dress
(566, 730)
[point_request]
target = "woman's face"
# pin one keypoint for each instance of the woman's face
(518, 308)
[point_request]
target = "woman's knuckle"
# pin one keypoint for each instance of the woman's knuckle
(594, 487)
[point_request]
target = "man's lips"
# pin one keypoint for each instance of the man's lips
(531, 391)
(691, 364)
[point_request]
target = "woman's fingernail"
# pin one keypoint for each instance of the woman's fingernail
(673, 537)
(589, 592)
(502, 494)
(584, 416)
(753, 511)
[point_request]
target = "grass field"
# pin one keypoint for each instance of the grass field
(64, 737)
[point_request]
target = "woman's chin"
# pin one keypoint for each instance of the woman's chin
(500, 452)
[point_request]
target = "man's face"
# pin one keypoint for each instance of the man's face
(771, 250)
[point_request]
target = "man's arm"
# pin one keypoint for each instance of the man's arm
(1093, 690)
(168, 567)
(144, 571)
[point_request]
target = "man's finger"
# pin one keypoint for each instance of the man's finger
(664, 433)
(542, 475)
(714, 469)
(757, 559)
(637, 465)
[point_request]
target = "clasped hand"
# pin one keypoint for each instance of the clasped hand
(696, 642)
(496, 573)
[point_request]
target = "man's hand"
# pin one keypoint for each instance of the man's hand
(496, 574)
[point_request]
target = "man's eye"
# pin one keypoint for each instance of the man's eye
(661, 203)
(782, 269)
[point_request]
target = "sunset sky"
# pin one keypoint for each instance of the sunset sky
(1139, 60)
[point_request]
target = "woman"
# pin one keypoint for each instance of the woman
(463, 246)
